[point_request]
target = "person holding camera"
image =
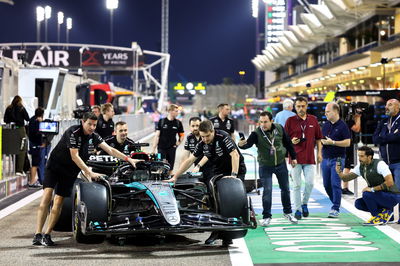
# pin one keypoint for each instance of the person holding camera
(381, 194)
(304, 132)
(336, 138)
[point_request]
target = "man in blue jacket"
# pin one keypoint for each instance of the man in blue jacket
(387, 136)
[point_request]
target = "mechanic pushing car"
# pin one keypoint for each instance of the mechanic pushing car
(217, 147)
(120, 140)
(65, 162)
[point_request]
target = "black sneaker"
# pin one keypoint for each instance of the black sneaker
(304, 210)
(297, 215)
(211, 239)
(46, 240)
(37, 240)
(346, 191)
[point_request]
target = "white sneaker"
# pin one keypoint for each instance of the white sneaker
(265, 222)
(290, 218)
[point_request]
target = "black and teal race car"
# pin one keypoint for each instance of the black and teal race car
(130, 201)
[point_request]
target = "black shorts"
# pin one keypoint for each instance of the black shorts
(61, 183)
(36, 154)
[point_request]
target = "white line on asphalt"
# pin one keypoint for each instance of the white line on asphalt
(19, 204)
(239, 254)
(386, 229)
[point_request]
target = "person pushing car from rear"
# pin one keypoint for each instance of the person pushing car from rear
(219, 149)
(66, 161)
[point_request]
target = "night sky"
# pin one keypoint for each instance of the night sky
(209, 39)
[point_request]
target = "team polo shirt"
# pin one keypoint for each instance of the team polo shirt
(296, 127)
(218, 153)
(190, 145)
(104, 128)
(73, 138)
(168, 131)
(337, 132)
(126, 147)
(226, 125)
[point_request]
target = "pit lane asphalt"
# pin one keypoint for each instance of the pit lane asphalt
(17, 230)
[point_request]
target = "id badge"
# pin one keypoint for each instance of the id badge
(272, 151)
(303, 136)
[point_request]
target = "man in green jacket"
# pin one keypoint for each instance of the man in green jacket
(272, 143)
(381, 193)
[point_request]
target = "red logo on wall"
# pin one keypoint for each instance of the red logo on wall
(91, 60)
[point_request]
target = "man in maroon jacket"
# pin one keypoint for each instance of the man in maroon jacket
(304, 131)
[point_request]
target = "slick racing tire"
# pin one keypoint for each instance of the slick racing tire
(90, 205)
(64, 223)
(232, 202)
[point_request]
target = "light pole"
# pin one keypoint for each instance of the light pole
(47, 16)
(69, 27)
(60, 20)
(254, 6)
(111, 5)
(39, 18)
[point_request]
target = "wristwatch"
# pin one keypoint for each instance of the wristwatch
(372, 189)
(234, 174)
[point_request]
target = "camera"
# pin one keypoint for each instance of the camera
(303, 139)
(350, 109)
(78, 112)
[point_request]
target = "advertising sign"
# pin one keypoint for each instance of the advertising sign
(73, 58)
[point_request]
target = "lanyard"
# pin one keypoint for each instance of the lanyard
(390, 124)
(270, 141)
(303, 129)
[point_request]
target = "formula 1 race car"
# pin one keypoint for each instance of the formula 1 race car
(130, 201)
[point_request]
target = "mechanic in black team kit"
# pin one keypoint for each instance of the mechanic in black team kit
(190, 144)
(65, 162)
(165, 138)
(218, 148)
(120, 140)
(105, 124)
(222, 121)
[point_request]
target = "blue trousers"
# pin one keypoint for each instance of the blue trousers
(395, 169)
(332, 182)
(282, 175)
(374, 202)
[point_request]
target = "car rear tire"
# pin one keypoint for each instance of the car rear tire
(232, 202)
(93, 197)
